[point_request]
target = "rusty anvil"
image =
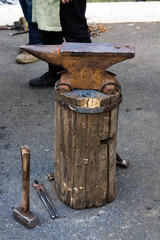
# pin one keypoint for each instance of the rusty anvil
(86, 63)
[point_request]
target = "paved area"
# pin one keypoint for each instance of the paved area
(26, 117)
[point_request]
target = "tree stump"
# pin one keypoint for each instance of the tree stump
(85, 127)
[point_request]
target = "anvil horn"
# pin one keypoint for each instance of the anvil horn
(47, 53)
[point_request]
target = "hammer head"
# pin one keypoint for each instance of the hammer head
(30, 220)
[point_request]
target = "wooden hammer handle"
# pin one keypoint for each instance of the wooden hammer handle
(25, 157)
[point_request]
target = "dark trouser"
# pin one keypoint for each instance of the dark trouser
(74, 27)
(73, 21)
(34, 34)
(51, 38)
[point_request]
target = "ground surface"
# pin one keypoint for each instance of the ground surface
(26, 117)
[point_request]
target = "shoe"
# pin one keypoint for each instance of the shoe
(25, 58)
(46, 80)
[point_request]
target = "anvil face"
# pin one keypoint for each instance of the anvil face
(93, 49)
(86, 63)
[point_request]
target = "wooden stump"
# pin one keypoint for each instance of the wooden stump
(85, 147)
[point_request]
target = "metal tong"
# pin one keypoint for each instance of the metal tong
(45, 199)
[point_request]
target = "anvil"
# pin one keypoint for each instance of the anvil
(86, 63)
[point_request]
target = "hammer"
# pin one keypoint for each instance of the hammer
(22, 213)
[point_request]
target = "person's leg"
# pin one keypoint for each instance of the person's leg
(34, 34)
(74, 28)
(52, 38)
(73, 21)
(49, 78)
(24, 8)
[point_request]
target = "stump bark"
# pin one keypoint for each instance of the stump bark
(85, 127)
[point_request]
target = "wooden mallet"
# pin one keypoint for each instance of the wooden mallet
(22, 213)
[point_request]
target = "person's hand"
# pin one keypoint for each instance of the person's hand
(66, 1)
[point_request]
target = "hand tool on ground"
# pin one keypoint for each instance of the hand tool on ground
(7, 27)
(11, 27)
(121, 162)
(22, 213)
(86, 63)
(19, 32)
(50, 176)
(45, 199)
